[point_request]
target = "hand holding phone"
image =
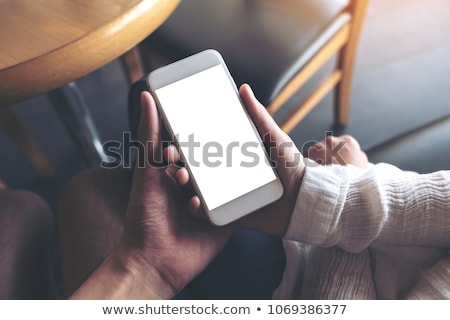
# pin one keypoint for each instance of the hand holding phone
(222, 150)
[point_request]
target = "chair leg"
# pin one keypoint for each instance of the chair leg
(151, 59)
(132, 65)
(74, 112)
(346, 62)
(15, 128)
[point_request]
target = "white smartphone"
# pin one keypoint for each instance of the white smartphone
(218, 142)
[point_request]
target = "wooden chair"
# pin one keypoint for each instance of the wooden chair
(275, 46)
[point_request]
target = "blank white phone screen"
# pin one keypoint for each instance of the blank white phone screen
(215, 136)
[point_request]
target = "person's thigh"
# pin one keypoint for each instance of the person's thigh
(90, 222)
(26, 229)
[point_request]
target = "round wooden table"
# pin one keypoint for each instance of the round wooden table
(47, 44)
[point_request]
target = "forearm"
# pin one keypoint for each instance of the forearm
(352, 208)
(113, 279)
(404, 209)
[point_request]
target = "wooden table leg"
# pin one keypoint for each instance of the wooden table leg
(15, 128)
(132, 65)
(73, 110)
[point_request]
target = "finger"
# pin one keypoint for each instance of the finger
(149, 148)
(171, 171)
(323, 152)
(264, 122)
(171, 154)
(182, 176)
(317, 153)
(281, 148)
(150, 129)
(196, 209)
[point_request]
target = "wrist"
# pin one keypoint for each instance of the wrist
(144, 278)
(120, 277)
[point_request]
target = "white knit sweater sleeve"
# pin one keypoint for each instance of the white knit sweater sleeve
(352, 208)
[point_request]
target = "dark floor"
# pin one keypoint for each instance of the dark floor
(402, 80)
